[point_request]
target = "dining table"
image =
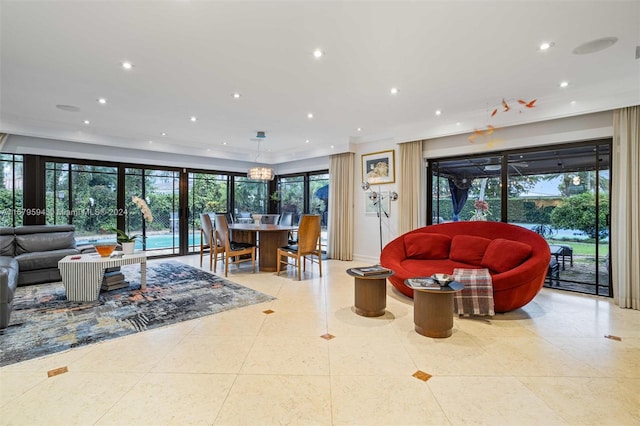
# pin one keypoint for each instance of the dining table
(268, 239)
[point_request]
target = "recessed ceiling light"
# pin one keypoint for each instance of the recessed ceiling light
(307, 141)
(359, 129)
(236, 95)
(318, 53)
(86, 122)
(163, 134)
(224, 143)
(545, 46)
(150, 142)
(102, 101)
(594, 46)
(564, 84)
(127, 65)
(193, 119)
(458, 123)
(310, 115)
(573, 103)
(394, 90)
(438, 112)
(331, 147)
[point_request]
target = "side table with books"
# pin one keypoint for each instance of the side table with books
(370, 289)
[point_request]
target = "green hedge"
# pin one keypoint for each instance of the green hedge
(521, 210)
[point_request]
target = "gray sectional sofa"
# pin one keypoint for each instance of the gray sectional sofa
(30, 255)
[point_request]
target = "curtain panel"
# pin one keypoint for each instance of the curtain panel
(411, 187)
(341, 216)
(625, 205)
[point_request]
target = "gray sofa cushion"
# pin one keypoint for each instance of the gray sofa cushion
(43, 259)
(8, 278)
(6, 241)
(29, 243)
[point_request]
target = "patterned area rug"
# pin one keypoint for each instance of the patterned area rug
(44, 322)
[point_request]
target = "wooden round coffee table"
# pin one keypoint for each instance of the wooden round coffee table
(433, 310)
(370, 293)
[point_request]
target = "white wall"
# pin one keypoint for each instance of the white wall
(565, 130)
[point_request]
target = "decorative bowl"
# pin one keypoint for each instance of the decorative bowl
(105, 249)
(443, 279)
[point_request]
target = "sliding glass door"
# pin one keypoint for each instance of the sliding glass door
(160, 190)
(562, 193)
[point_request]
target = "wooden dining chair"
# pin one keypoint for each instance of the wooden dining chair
(269, 219)
(286, 219)
(208, 242)
(308, 245)
(233, 250)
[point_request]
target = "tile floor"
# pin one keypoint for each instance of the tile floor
(548, 363)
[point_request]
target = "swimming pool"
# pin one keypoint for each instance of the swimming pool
(153, 242)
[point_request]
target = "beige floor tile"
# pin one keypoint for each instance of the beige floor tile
(296, 355)
(535, 356)
(286, 323)
(491, 401)
(168, 399)
(136, 353)
(70, 398)
(206, 354)
(14, 383)
(546, 363)
(245, 321)
(610, 358)
(270, 400)
(369, 356)
(345, 322)
(293, 299)
(587, 400)
(384, 400)
(458, 355)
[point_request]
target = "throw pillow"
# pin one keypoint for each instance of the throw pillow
(503, 255)
(427, 246)
(468, 249)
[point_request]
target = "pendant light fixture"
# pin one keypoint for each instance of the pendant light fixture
(257, 172)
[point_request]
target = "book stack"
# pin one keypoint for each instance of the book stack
(113, 279)
(370, 270)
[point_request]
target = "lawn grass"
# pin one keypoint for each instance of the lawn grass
(582, 248)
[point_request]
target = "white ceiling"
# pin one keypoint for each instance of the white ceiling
(190, 57)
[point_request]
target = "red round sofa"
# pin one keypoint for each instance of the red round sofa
(517, 259)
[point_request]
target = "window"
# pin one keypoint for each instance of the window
(11, 213)
(560, 192)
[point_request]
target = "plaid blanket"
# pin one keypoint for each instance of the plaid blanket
(477, 296)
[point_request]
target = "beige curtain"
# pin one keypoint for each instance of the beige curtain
(625, 205)
(411, 187)
(341, 217)
(3, 139)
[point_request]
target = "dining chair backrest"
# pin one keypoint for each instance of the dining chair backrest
(222, 229)
(269, 219)
(229, 217)
(286, 219)
(309, 233)
(207, 228)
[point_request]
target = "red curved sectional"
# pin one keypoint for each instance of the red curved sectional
(517, 258)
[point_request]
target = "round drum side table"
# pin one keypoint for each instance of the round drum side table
(370, 293)
(433, 310)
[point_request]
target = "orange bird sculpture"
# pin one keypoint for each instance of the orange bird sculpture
(505, 105)
(494, 112)
(529, 104)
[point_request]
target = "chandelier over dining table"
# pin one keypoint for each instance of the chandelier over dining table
(260, 172)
